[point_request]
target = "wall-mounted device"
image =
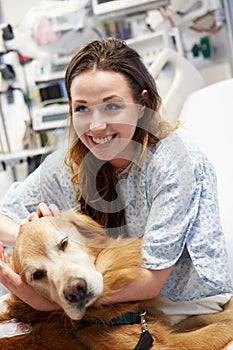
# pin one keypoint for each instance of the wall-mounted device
(51, 92)
(52, 110)
(112, 8)
(51, 117)
(150, 45)
(50, 69)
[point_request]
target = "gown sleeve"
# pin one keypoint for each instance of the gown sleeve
(49, 183)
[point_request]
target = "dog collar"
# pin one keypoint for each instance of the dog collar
(126, 318)
(146, 340)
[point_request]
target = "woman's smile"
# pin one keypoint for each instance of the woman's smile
(102, 140)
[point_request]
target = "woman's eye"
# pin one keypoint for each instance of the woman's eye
(113, 106)
(81, 109)
(63, 244)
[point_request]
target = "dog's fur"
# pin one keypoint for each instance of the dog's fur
(71, 261)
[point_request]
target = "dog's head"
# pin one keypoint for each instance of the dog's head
(71, 261)
(52, 256)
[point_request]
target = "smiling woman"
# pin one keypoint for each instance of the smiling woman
(113, 114)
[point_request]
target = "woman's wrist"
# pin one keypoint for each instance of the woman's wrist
(8, 230)
(28, 295)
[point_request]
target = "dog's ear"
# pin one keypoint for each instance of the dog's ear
(91, 233)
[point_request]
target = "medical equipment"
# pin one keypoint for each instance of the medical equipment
(150, 45)
(122, 7)
(52, 111)
(50, 68)
(50, 117)
(184, 12)
(6, 33)
(53, 27)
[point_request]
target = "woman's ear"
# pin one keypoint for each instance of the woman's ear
(144, 95)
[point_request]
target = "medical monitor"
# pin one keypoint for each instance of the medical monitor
(104, 7)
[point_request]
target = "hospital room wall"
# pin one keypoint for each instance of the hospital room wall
(13, 11)
(211, 74)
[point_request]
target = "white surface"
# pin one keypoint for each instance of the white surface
(208, 115)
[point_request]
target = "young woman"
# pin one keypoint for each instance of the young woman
(136, 177)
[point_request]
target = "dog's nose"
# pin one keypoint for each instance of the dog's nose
(75, 290)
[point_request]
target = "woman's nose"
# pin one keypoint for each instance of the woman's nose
(96, 126)
(97, 121)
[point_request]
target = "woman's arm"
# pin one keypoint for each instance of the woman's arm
(8, 230)
(147, 286)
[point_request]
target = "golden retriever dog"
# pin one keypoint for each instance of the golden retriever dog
(71, 261)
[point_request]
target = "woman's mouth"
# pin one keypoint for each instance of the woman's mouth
(102, 140)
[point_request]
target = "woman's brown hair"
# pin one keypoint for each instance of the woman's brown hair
(95, 180)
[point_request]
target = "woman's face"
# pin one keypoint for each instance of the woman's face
(105, 115)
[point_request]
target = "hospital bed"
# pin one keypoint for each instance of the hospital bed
(206, 113)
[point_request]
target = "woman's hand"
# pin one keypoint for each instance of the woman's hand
(13, 282)
(43, 210)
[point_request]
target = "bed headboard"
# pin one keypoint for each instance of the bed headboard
(185, 80)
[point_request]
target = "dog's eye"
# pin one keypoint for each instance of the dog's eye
(38, 275)
(63, 244)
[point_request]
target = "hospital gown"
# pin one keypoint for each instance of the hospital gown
(170, 199)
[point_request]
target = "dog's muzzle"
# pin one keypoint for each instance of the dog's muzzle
(76, 290)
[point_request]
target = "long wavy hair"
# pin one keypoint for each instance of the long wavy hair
(95, 180)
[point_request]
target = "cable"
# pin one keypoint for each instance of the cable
(6, 137)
